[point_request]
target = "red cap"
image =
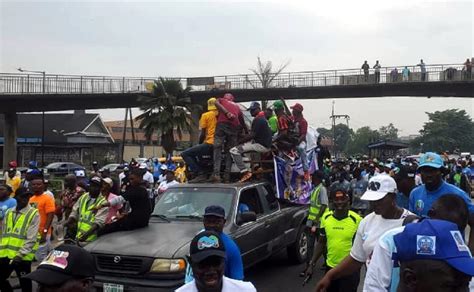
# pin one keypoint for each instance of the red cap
(12, 164)
(297, 107)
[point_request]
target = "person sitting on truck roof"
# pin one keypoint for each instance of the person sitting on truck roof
(259, 140)
(214, 220)
(207, 259)
(207, 124)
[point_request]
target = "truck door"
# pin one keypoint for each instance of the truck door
(252, 237)
(273, 218)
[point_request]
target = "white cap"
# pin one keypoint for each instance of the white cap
(164, 167)
(143, 166)
(379, 186)
(80, 173)
(108, 181)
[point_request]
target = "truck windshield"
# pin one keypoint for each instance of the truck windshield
(191, 202)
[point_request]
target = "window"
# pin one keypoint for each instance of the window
(250, 198)
(269, 194)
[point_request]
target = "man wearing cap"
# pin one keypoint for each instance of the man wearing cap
(95, 169)
(431, 168)
(301, 127)
(5, 202)
(11, 165)
(258, 140)
(66, 268)
(337, 231)
(433, 257)
(230, 122)
(207, 260)
(404, 176)
(272, 120)
(285, 127)
(88, 220)
(69, 196)
(123, 179)
(382, 274)
(19, 241)
(113, 213)
(13, 180)
(207, 124)
(169, 181)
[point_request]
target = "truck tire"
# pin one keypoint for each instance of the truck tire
(298, 251)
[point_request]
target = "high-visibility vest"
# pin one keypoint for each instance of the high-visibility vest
(314, 205)
(14, 234)
(87, 216)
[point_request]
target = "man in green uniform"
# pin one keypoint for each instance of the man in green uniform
(85, 213)
(336, 234)
(19, 241)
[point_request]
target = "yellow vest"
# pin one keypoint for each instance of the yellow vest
(14, 234)
(314, 204)
(86, 216)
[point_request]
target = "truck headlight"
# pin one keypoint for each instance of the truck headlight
(168, 266)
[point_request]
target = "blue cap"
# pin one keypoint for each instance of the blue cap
(431, 159)
(254, 105)
(214, 210)
(32, 164)
(433, 239)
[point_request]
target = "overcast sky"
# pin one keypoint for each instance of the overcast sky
(214, 38)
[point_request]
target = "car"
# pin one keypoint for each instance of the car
(112, 167)
(63, 168)
(154, 258)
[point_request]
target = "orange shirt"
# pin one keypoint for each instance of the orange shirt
(45, 205)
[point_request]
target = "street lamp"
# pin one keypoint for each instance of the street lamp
(44, 92)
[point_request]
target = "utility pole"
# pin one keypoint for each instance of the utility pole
(334, 117)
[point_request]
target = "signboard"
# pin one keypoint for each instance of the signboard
(200, 81)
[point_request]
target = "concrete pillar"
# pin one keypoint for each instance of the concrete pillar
(10, 134)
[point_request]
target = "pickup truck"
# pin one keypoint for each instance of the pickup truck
(154, 258)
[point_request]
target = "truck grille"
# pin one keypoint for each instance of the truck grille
(126, 265)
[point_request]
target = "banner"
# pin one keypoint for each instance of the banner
(289, 178)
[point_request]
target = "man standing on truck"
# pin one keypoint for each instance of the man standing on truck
(214, 220)
(337, 231)
(230, 121)
(89, 221)
(301, 127)
(259, 140)
(207, 124)
(207, 259)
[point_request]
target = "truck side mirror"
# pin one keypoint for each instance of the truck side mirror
(245, 217)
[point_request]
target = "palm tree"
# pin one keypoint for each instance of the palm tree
(167, 111)
(266, 75)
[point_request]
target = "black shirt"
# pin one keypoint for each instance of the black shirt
(262, 132)
(140, 204)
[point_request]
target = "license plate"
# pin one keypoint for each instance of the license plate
(109, 287)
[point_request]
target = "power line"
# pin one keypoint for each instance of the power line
(334, 117)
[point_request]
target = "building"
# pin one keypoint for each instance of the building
(385, 149)
(75, 137)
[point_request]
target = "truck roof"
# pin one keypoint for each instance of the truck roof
(235, 186)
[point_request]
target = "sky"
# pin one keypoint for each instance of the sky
(194, 38)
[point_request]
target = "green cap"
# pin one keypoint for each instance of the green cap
(278, 105)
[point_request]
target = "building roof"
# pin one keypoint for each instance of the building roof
(57, 127)
(388, 144)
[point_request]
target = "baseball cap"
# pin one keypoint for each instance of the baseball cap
(214, 210)
(94, 163)
(205, 245)
(64, 263)
(278, 105)
(404, 171)
(143, 166)
(433, 239)
(96, 180)
(80, 173)
(340, 194)
(32, 164)
(211, 104)
(108, 181)
(297, 107)
(254, 105)
(164, 167)
(12, 164)
(431, 159)
(379, 186)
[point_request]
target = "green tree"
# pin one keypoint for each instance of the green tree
(388, 132)
(360, 139)
(343, 136)
(447, 130)
(167, 111)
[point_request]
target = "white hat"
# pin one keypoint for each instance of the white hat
(379, 186)
(108, 181)
(143, 166)
(164, 167)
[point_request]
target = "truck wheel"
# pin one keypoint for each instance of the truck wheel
(298, 251)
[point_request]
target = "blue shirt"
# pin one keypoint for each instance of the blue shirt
(402, 200)
(5, 205)
(421, 199)
(234, 268)
(156, 169)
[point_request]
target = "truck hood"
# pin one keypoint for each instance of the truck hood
(159, 240)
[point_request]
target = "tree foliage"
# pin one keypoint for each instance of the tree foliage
(343, 136)
(388, 132)
(167, 112)
(450, 130)
(360, 139)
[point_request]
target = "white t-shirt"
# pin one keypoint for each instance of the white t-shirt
(228, 285)
(148, 177)
(165, 185)
(371, 228)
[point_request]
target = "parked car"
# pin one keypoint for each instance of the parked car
(63, 168)
(154, 258)
(112, 167)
